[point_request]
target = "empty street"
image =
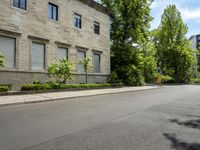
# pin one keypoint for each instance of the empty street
(166, 118)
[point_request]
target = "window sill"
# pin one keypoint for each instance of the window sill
(24, 11)
(52, 20)
(77, 29)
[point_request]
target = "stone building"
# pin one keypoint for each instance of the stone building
(35, 33)
(195, 41)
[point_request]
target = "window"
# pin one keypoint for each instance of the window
(53, 11)
(80, 56)
(96, 63)
(77, 21)
(38, 56)
(62, 53)
(96, 28)
(7, 49)
(20, 4)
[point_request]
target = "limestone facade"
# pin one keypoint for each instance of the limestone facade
(33, 25)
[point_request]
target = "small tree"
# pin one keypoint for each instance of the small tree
(61, 71)
(1, 60)
(86, 62)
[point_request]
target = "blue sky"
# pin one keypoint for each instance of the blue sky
(190, 11)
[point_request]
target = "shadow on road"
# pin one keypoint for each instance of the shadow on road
(190, 123)
(179, 144)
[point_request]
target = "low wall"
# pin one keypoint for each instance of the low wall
(17, 78)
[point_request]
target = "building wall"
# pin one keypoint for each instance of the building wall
(193, 42)
(33, 25)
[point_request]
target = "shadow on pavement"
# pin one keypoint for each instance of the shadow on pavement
(190, 123)
(179, 144)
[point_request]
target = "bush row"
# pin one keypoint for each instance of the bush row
(35, 87)
(4, 88)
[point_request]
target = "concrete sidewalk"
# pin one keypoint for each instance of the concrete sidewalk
(45, 97)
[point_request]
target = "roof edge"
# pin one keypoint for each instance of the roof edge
(98, 7)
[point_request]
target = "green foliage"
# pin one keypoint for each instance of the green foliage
(31, 87)
(53, 86)
(37, 82)
(167, 79)
(1, 60)
(174, 55)
(148, 62)
(134, 76)
(198, 58)
(4, 88)
(195, 81)
(86, 62)
(61, 71)
(130, 26)
(113, 78)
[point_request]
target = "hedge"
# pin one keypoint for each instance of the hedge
(35, 87)
(4, 88)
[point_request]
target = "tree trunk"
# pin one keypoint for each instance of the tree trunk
(86, 77)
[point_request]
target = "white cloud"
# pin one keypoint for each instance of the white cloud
(190, 14)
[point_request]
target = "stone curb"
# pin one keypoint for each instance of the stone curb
(51, 99)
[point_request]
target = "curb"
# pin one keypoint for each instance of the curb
(51, 99)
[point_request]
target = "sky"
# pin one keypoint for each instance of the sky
(190, 11)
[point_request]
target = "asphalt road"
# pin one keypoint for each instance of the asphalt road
(159, 119)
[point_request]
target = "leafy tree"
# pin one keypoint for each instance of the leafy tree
(86, 62)
(130, 26)
(198, 58)
(174, 54)
(61, 71)
(149, 64)
(1, 60)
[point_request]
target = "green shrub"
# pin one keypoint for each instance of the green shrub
(4, 88)
(1, 60)
(167, 79)
(61, 71)
(50, 86)
(32, 87)
(195, 81)
(113, 78)
(134, 76)
(37, 82)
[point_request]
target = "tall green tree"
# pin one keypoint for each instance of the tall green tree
(175, 57)
(129, 30)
